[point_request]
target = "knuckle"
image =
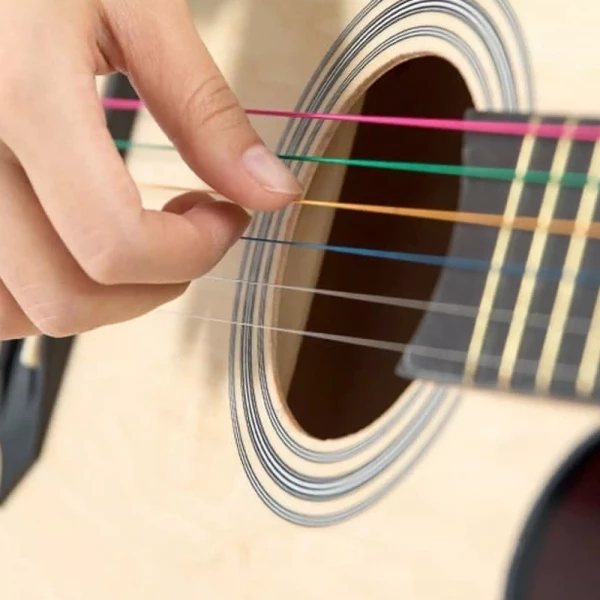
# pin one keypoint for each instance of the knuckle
(55, 313)
(212, 104)
(104, 258)
(104, 267)
(57, 328)
(56, 319)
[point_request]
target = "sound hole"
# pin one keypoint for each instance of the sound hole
(559, 553)
(337, 389)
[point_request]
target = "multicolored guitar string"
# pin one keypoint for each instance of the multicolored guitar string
(568, 179)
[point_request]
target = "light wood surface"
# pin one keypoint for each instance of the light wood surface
(141, 494)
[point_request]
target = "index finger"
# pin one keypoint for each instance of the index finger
(91, 200)
(189, 97)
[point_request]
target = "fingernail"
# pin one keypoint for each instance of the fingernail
(270, 172)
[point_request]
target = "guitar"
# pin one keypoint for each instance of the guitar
(330, 413)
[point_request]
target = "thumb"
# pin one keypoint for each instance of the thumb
(190, 99)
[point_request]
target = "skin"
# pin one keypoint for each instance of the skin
(78, 251)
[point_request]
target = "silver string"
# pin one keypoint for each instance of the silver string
(576, 325)
(562, 372)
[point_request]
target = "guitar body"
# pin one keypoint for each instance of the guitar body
(193, 458)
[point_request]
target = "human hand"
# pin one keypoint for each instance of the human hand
(78, 251)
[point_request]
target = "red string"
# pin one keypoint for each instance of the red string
(589, 133)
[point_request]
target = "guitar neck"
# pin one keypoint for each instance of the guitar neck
(534, 294)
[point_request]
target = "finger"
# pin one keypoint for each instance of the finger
(184, 203)
(189, 97)
(94, 205)
(44, 279)
(14, 324)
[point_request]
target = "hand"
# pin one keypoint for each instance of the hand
(77, 249)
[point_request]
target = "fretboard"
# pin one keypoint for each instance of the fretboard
(535, 327)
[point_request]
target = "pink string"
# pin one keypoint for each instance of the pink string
(589, 133)
(122, 104)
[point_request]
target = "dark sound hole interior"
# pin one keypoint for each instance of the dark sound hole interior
(338, 389)
(559, 554)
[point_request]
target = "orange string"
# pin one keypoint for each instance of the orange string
(559, 226)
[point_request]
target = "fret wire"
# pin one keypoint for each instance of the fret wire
(566, 288)
(534, 260)
(588, 368)
(493, 279)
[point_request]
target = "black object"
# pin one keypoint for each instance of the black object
(26, 407)
(28, 395)
(558, 554)
(7, 355)
(451, 334)
(121, 122)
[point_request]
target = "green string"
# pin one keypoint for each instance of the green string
(568, 179)
(127, 145)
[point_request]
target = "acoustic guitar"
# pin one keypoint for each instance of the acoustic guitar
(386, 390)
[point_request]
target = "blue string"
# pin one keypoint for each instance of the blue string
(466, 264)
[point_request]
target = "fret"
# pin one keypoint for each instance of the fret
(588, 367)
(534, 261)
(498, 257)
(566, 288)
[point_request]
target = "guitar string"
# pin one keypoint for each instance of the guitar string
(584, 277)
(567, 179)
(576, 326)
(553, 274)
(557, 226)
(454, 262)
(589, 133)
(563, 372)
